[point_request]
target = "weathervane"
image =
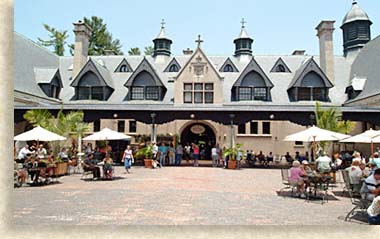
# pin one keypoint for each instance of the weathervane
(163, 24)
(242, 23)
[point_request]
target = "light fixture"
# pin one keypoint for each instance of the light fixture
(115, 115)
(271, 116)
(192, 116)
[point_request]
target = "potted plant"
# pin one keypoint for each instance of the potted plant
(232, 154)
(146, 153)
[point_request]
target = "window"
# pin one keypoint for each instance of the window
(173, 68)
(260, 93)
(123, 68)
(132, 126)
(137, 93)
(280, 68)
(310, 93)
(202, 93)
(97, 93)
(152, 93)
(96, 125)
(90, 93)
(266, 127)
(254, 128)
(252, 93)
(55, 91)
(121, 126)
(299, 143)
(228, 68)
(245, 93)
(241, 129)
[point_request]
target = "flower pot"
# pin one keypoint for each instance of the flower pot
(61, 169)
(231, 164)
(148, 163)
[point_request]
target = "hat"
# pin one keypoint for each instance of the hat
(305, 162)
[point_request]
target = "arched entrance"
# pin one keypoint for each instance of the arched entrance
(200, 134)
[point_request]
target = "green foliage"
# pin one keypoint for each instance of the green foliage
(233, 151)
(41, 117)
(57, 40)
(146, 152)
(134, 51)
(101, 39)
(148, 50)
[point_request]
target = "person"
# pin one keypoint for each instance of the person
(41, 152)
(270, 157)
(163, 150)
(178, 154)
(187, 152)
(63, 155)
(298, 157)
(371, 186)
(50, 165)
(249, 156)
(219, 153)
(288, 158)
(89, 149)
(355, 174)
(295, 179)
(127, 159)
(373, 212)
(23, 154)
(214, 156)
(239, 157)
(154, 150)
(224, 158)
(195, 154)
(88, 165)
(376, 159)
(171, 154)
(107, 166)
(337, 161)
(366, 171)
(356, 157)
(306, 171)
(323, 163)
(261, 158)
(32, 168)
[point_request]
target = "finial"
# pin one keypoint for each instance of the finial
(354, 2)
(163, 24)
(199, 41)
(242, 23)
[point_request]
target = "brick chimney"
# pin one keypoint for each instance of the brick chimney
(325, 31)
(82, 37)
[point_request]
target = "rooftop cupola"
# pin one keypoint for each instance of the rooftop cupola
(243, 44)
(162, 43)
(356, 29)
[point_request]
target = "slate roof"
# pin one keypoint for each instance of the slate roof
(355, 14)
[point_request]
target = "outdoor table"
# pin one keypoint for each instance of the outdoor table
(318, 181)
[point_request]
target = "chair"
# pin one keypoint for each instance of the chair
(360, 203)
(285, 180)
(87, 173)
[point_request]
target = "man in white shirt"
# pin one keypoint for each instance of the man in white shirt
(324, 163)
(374, 212)
(371, 185)
(155, 150)
(23, 154)
(214, 156)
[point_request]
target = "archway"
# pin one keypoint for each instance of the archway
(200, 134)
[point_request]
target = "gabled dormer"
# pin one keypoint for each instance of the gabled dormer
(252, 84)
(280, 66)
(309, 83)
(123, 67)
(356, 87)
(93, 82)
(228, 66)
(49, 80)
(173, 66)
(144, 83)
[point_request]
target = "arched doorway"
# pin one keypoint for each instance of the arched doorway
(200, 134)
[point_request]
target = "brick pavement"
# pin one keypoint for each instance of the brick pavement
(175, 196)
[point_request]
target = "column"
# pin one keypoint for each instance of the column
(153, 135)
(232, 134)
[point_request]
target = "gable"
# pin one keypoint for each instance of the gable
(280, 66)
(145, 67)
(172, 63)
(253, 69)
(226, 63)
(123, 67)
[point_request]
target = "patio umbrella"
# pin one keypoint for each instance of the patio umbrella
(315, 134)
(370, 136)
(107, 134)
(39, 134)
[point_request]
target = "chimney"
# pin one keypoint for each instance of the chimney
(110, 52)
(82, 37)
(298, 53)
(325, 31)
(187, 51)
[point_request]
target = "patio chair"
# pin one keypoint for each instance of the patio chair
(285, 181)
(360, 202)
(87, 173)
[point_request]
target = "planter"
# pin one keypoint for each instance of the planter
(61, 169)
(148, 163)
(231, 164)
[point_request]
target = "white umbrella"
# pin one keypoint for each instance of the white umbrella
(315, 134)
(370, 136)
(107, 134)
(39, 134)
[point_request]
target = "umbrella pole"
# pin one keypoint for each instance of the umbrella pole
(314, 149)
(372, 149)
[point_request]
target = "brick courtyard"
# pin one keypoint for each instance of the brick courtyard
(176, 196)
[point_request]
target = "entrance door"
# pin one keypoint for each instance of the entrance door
(200, 134)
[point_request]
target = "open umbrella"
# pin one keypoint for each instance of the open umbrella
(315, 134)
(39, 134)
(107, 134)
(370, 136)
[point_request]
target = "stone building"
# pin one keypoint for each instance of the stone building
(244, 98)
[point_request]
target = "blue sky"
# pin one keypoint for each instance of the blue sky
(277, 26)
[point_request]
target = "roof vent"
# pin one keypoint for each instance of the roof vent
(298, 53)
(187, 51)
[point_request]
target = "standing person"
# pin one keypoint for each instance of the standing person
(178, 154)
(219, 153)
(214, 156)
(187, 152)
(154, 150)
(224, 158)
(127, 159)
(239, 157)
(163, 151)
(195, 154)
(171, 154)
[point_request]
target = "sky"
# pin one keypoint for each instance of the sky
(278, 27)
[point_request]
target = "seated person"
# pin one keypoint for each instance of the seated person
(355, 174)
(306, 171)
(374, 212)
(89, 166)
(366, 171)
(107, 166)
(261, 157)
(288, 158)
(375, 159)
(155, 164)
(270, 157)
(323, 163)
(295, 179)
(371, 186)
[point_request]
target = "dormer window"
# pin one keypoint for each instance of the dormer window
(123, 68)
(49, 81)
(280, 66)
(228, 68)
(173, 68)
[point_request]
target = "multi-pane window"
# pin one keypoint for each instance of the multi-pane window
(254, 128)
(121, 126)
(137, 93)
(310, 93)
(252, 93)
(151, 93)
(90, 93)
(266, 127)
(145, 93)
(132, 126)
(198, 93)
(241, 128)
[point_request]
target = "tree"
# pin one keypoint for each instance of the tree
(149, 50)
(101, 39)
(134, 51)
(57, 40)
(38, 117)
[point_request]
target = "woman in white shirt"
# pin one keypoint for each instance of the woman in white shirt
(127, 159)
